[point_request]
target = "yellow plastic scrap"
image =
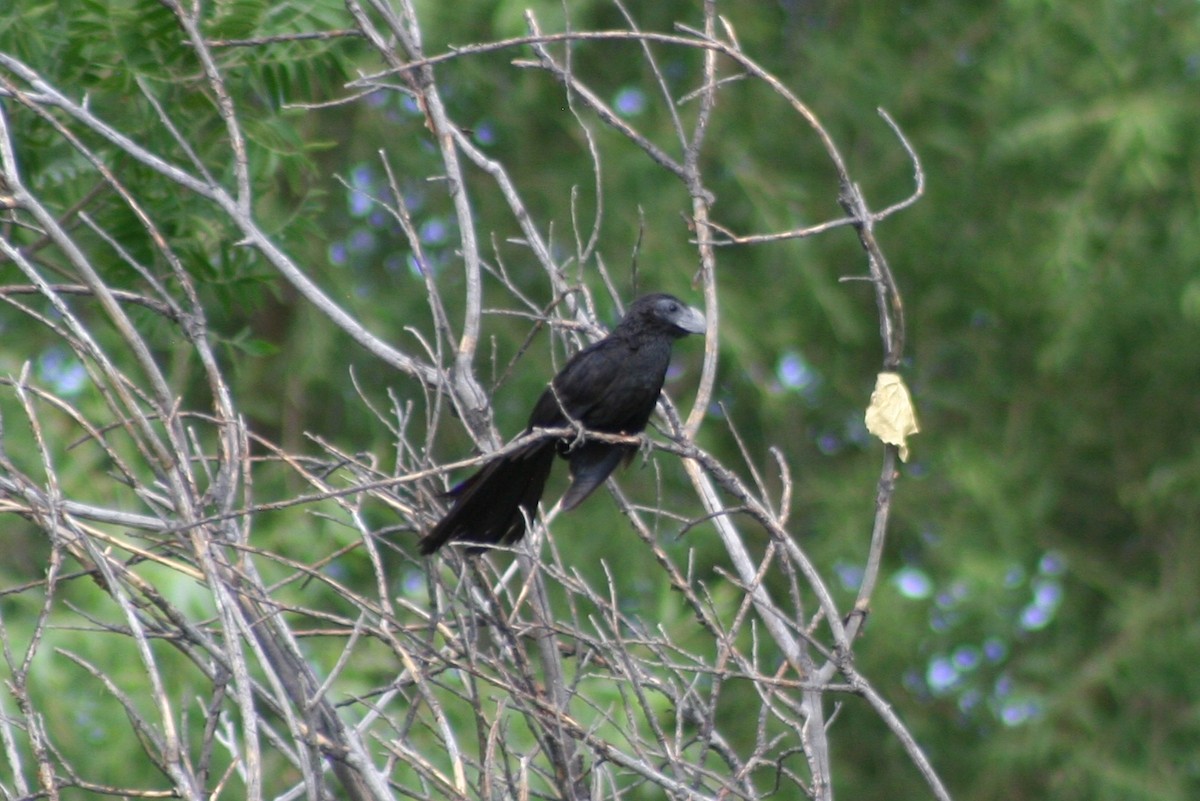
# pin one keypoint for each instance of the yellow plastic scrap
(891, 416)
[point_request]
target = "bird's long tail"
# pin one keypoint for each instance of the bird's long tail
(491, 507)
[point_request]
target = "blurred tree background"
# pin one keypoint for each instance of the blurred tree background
(1039, 616)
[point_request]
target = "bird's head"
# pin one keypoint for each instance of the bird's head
(669, 312)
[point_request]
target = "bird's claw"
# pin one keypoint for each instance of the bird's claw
(644, 447)
(580, 435)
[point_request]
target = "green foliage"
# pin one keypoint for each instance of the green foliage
(1053, 362)
(1052, 301)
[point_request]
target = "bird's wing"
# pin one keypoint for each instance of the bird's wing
(591, 463)
(582, 386)
(611, 386)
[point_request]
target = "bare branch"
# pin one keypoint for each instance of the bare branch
(269, 630)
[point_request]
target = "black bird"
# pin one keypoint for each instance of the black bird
(610, 386)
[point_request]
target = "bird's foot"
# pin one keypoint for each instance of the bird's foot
(580, 435)
(644, 447)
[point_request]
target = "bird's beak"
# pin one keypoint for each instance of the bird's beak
(692, 321)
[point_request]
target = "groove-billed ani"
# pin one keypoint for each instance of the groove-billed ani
(610, 386)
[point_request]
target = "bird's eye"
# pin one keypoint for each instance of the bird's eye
(673, 307)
